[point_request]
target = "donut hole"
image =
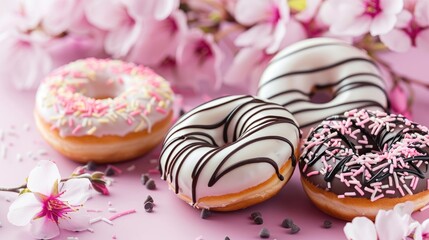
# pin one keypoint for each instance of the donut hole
(103, 87)
(321, 95)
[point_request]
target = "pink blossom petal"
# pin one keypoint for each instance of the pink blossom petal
(327, 11)
(390, 225)
(106, 15)
(310, 11)
(404, 19)
(258, 36)
(425, 227)
(75, 221)
(43, 177)
(421, 13)
(391, 6)
(382, 23)
(404, 209)
(249, 12)
(352, 26)
(44, 228)
(23, 209)
(164, 8)
(120, 40)
(159, 39)
(24, 63)
(199, 60)
(398, 99)
(422, 40)
(361, 228)
(59, 17)
(278, 36)
(396, 40)
(76, 191)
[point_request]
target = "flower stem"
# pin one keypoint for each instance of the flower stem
(24, 186)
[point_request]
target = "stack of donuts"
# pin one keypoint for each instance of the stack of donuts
(236, 151)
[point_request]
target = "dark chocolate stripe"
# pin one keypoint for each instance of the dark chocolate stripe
(238, 118)
(319, 69)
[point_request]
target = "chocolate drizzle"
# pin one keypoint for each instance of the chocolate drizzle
(279, 85)
(367, 154)
(224, 141)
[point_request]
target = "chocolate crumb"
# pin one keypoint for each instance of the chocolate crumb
(294, 229)
(227, 238)
(258, 220)
(182, 112)
(327, 224)
(91, 166)
(205, 213)
(144, 178)
(148, 207)
(264, 233)
(148, 199)
(151, 184)
(253, 215)
(287, 223)
(109, 171)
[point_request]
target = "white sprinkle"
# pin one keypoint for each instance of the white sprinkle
(1, 134)
(110, 209)
(109, 203)
(153, 161)
(72, 238)
(424, 208)
(18, 157)
(407, 189)
(1, 225)
(90, 230)
(94, 220)
(107, 221)
(131, 168)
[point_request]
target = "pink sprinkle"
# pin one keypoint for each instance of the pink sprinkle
(76, 129)
(156, 96)
(121, 214)
(71, 122)
(312, 173)
(378, 197)
(359, 190)
(390, 191)
(134, 113)
(153, 171)
(424, 208)
(122, 105)
(161, 110)
(341, 196)
(129, 121)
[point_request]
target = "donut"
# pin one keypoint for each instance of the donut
(362, 161)
(321, 77)
(230, 153)
(103, 110)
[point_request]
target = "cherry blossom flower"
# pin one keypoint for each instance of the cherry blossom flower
(361, 228)
(357, 17)
(158, 39)
(412, 28)
(125, 20)
(50, 204)
(267, 21)
(421, 231)
(396, 223)
(199, 61)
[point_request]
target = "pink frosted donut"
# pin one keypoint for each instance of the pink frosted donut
(363, 161)
(103, 110)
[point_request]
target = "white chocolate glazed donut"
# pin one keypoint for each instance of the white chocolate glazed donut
(103, 110)
(297, 72)
(230, 153)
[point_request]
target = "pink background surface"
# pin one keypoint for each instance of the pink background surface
(171, 218)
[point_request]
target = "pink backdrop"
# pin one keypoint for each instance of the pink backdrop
(171, 218)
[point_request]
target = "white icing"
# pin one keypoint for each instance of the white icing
(243, 177)
(134, 98)
(317, 53)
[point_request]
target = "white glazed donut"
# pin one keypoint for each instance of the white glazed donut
(103, 110)
(230, 153)
(296, 73)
